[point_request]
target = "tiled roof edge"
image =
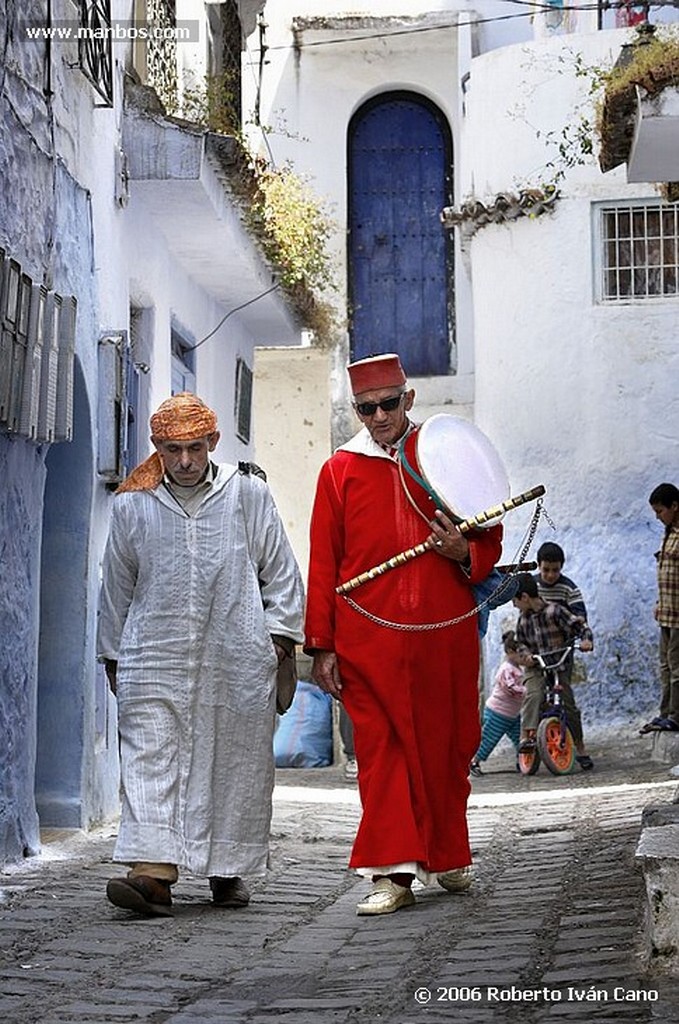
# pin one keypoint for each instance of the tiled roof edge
(473, 214)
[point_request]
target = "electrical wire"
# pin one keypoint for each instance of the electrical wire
(534, 6)
(264, 134)
(236, 309)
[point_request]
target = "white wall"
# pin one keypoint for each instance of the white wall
(292, 405)
(578, 395)
(310, 96)
(156, 280)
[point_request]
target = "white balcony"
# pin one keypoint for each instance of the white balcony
(184, 175)
(654, 153)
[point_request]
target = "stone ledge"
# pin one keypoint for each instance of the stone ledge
(657, 854)
(655, 815)
(665, 747)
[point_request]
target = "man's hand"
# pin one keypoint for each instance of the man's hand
(283, 647)
(445, 539)
(325, 673)
(586, 645)
(111, 669)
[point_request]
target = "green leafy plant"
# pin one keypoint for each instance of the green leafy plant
(296, 230)
(212, 102)
(601, 123)
(574, 143)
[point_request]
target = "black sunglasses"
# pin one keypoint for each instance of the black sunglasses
(386, 405)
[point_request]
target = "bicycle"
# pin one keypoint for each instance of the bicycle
(554, 742)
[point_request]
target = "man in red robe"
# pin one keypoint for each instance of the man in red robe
(410, 689)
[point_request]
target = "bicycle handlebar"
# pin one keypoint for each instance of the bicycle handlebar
(540, 657)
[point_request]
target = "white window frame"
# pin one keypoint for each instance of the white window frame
(638, 278)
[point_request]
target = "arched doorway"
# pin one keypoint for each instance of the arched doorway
(400, 258)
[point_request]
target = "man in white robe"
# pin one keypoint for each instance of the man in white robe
(201, 600)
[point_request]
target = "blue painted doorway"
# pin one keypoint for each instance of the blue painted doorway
(400, 258)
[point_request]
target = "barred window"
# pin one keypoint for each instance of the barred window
(94, 46)
(161, 53)
(640, 252)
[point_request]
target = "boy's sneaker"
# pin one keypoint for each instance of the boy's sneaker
(351, 769)
(475, 769)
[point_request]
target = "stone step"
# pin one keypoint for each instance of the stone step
(657, 854)
(665, 747)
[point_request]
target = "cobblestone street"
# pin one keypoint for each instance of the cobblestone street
(552, 929)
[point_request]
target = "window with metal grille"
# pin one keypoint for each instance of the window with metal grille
(243, 403)
(640, 252)
(225, 47)
(161, 51)
(94, 46)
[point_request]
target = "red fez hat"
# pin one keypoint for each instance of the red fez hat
(376, 372)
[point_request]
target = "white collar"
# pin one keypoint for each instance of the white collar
(363, 444)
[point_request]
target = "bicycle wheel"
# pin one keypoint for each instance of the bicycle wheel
(529, 761)
(556, 745)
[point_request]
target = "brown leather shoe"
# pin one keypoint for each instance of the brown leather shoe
(229, 892)
(143, 894)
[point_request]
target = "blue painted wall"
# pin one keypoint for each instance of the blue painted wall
(22, 479)
(57, 729)
(62, 699)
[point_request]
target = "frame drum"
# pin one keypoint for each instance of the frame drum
(450, 464)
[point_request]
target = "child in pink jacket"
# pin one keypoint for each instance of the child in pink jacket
(502, 713)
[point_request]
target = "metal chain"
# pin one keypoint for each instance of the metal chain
(411, 627)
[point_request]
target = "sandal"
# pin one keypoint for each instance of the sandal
(475, 769)
(585, 762)
(655, 725)
(667, 725)
(527, 746)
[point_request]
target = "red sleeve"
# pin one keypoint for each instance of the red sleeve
(485, 547)
(326, 546)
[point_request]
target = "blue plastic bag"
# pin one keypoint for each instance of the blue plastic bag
(303, 737)
(484, 589)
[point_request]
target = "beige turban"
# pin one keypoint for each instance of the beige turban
(184, 417)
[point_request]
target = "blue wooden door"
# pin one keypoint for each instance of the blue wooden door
(400, 257)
